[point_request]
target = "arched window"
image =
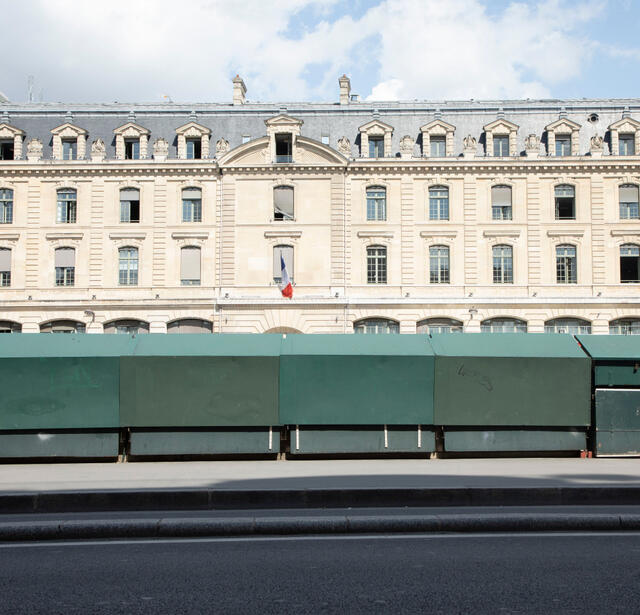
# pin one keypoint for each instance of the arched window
(502, 264)
(191, 205)
(67, 205)
(438, 203)
(376, 203)
(8, 326)
(376, 325)
(566, 264)
(376, 265)
(190, 325)
(625, 326)
(439, 265)
(6, 206)
(63, 326)
(190, 266)
(282, 253)
(65, 263)
(629, 263)
(565, 200)
(283, 203)
(127, 326)
(5, 267)
(629, 202)
(129, 205)
(567, 325)
(440, 325)
(501, 208)
(128, 266)
(503, 325)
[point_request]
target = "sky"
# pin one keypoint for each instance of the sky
(295, 50)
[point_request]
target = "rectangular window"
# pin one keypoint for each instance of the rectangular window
(194, 149)
(286, 252)
(629, 263)
(563, 145)
(438, 147)
(377, 265)
(190, 266)
(439, 203)
(284, 147)
(5, 278)
(628, 202)
(130, 205)
(503, 265)
(65, 260)
(192, 205)
(439, 265)
(6, 149)
(501, 203)
(67, 206)
(69, 149)
(500, 145)
(376, 204)
(6, 206)
(627, 145)
(283, 203)
(565, 200)
(376, 147)
(566, 265)
(5, 267)
(128, 266)
(132, 149)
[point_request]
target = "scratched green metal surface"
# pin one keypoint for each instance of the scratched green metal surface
(514, 441)
(511, 379)
(81, 445)
(59, 393)
(356, 380)
(618, 410)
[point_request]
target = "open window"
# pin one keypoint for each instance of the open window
(284, 147)
(130, 205)
(629, 263)
(565, 202)
(67, 205)
(283, 203)
(286, 253)
(6, 149)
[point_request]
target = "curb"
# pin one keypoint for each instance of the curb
(230, 499)
(279, 526)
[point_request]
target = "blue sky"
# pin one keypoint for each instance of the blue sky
(136, 50)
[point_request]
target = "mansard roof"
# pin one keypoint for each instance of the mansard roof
(322, 121)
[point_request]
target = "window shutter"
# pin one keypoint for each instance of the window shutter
(283, 201)
(190, 264)
(501, 195)
(5, 259)
(628, 194)
(130, 194)
(65, 257)
(192, 193)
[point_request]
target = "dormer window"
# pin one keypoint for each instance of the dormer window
(438, 147)
(501, 138)
(501, 146)
(627, 145)
(284, 147)
(69, 142)
(69, 149)
(194, 149)
(563, 145)
(563, 138)
(376, 147)
(375, 139)
(437, 139)
(6, 149)
(193, 141)
(132, 149)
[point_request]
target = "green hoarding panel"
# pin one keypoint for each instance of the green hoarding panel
(611, 347)
(618, 443)
(314, 440)
(198, 391)
(620, 374)
(245, 442)
(514, 441)
(218, 345)
(59, 393)
(356, 380)
(618, 409)
(81, 445)
(511, 379)
(36, 345)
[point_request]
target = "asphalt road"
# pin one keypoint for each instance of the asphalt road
(520, 573)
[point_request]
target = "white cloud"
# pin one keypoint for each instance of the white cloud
(136, 50)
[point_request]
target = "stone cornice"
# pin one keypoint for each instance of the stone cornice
(64, 235)
(283, 233)
(565, 232)
(367, 234)
(625, 231)
(503, 233)
(127, 235)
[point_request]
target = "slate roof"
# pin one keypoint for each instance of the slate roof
(320, 119)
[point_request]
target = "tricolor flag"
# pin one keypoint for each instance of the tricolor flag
(285, 283)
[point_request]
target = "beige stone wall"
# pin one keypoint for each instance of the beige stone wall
(330, 235)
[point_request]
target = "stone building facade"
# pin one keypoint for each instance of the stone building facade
(399, 216)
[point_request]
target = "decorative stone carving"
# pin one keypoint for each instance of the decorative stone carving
(597, 146)
(406, 147)
(532, 146)
(344, 146)
(222, 146)
(34, 150)
(470, 145)
(160, 149)
(98, 151)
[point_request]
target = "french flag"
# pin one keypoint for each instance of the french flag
(285, 283)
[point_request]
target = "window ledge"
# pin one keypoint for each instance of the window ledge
(63, 235)
(283, 233)
(9, 236)
(190, 235)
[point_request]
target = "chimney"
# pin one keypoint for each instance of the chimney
(345, 89)
(239, 90)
